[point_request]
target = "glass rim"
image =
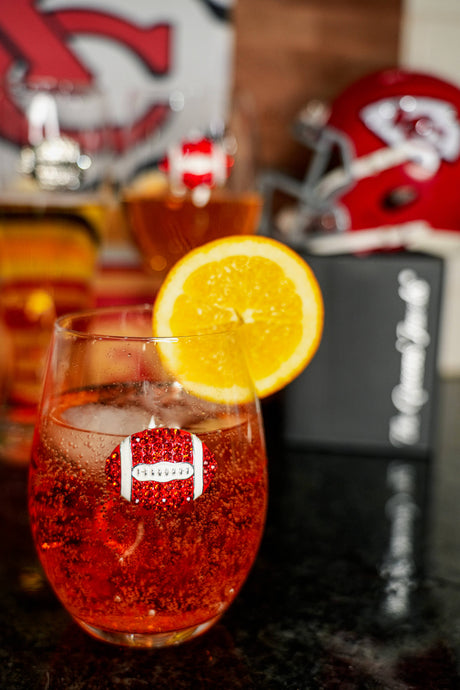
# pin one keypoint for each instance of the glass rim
(63, 324)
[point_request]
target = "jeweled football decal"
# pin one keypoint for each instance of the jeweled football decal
(161, 468)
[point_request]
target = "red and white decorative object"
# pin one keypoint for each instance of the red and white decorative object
(161, 468)
(198, 163)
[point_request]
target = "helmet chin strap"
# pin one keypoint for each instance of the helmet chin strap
(414, 151)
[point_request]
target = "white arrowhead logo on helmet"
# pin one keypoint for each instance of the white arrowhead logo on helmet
(395, 120)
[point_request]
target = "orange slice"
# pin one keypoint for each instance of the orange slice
(254, 282)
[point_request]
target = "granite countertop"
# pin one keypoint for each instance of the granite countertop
(357, 585)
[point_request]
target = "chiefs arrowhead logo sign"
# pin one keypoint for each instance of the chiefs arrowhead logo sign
(42, 42)
(45, 39)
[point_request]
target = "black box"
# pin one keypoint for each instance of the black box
(372, 384)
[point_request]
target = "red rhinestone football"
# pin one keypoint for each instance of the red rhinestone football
(161, 468)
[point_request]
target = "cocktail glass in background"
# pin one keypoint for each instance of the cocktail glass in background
(52, 208)
(147, 502)
(194, 179)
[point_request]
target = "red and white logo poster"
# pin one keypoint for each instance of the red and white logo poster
(136, 49)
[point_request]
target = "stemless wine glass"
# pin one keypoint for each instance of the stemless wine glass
(147, 503)
(194, 178)
(53, 200)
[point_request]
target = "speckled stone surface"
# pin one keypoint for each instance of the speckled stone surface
(357, 585)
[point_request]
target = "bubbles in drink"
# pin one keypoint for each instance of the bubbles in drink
(111, 561)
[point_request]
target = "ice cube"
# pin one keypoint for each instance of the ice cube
(107, 419)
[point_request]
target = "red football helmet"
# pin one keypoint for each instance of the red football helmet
(386, 162)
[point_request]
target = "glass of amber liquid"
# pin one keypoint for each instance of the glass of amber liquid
(147, 503)
(52, 212)
(195, 177)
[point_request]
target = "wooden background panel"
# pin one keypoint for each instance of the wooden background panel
(290, 51)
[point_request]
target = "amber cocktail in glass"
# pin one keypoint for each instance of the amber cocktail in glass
(196, 179)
